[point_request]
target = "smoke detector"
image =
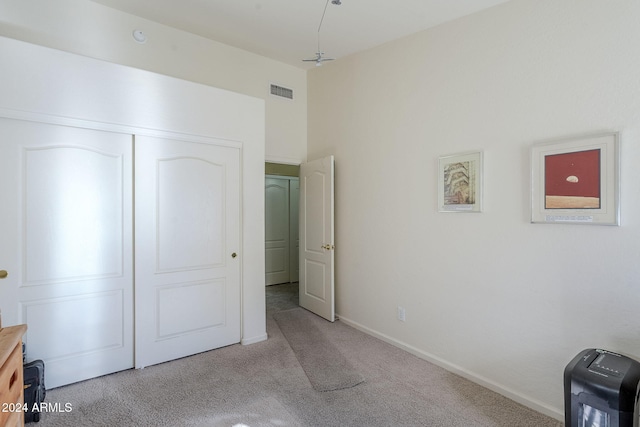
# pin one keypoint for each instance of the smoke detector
(139, 36)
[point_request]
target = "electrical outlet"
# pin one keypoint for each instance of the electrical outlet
(401, 314)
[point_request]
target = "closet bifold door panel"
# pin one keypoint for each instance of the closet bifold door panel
(277, 231)
(187, 247)
(281, 229)
(294, 232)
(66, 225)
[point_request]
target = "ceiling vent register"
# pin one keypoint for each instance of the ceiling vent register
(281, 91)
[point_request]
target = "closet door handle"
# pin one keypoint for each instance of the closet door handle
(233, 255)
(3, 274)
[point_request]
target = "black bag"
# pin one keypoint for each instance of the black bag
(34, 390)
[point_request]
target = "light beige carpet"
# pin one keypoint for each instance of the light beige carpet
(325, 366)
(263, 384)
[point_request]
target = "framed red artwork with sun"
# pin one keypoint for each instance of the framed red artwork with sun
(576, 180)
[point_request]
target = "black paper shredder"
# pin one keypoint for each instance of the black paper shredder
(601, 389)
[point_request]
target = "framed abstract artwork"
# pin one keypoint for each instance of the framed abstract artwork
(576, 180)
(460, 182)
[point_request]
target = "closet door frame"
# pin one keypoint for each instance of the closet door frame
(63, 87)
(128, 236)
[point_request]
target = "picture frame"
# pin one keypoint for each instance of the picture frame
(460, 182)
(576, 180)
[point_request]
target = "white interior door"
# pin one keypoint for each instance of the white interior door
(187, 250)
(66, 227)
(316, 237)
(294, 229)
(277, 233)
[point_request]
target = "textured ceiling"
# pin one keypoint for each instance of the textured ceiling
(287, 30)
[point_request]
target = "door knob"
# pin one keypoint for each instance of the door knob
(3, 274)
(233, 255)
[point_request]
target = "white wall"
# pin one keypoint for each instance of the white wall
(90, 29)
(492, 296)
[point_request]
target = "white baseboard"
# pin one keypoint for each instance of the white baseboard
(534, 404)
(253, 340)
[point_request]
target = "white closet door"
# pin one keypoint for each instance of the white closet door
(188, 257)
(277, 242)
(66, 227)
(294, 233)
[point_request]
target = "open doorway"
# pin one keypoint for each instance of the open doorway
(281, 235)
